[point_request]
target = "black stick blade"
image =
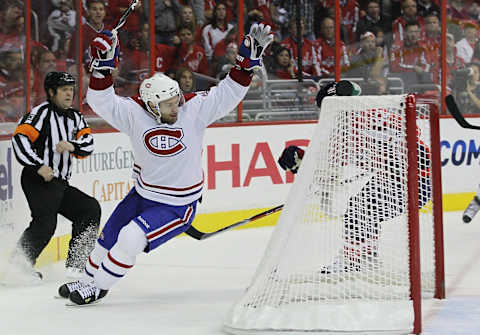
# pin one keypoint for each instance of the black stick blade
(457, 115)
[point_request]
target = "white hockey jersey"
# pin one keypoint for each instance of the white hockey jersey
(168, 158)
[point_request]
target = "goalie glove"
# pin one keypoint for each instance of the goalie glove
(254, 44)
(342, 88)
(291, 158)
(104, 51)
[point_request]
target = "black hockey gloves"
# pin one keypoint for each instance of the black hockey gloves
(291, 158)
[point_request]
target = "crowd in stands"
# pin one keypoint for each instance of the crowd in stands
(380, 39)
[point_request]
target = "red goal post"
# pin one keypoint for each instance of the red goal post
(359, 242)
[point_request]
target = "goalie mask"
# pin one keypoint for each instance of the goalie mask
(155, 91)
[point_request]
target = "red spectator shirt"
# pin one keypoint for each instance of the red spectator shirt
(399, 28)
(195, 60)
(405, 58)
(89, 33)
(326, 56)
(309, 56)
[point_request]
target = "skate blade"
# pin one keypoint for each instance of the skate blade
(72, 304)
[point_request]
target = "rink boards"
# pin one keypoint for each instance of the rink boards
(241, 176)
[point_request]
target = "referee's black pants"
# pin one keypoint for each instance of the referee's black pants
(46, 200)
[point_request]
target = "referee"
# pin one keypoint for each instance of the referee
(44, 142)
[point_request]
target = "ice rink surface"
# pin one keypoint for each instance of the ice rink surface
(186, 288)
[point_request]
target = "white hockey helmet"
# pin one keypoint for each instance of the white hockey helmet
(156, 89)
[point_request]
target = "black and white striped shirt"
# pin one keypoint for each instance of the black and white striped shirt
(35, 139)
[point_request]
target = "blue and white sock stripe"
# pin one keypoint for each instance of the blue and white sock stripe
(111, 273)
(172, 225)
(114, 267)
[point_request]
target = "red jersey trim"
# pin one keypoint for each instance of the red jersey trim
(100, 83)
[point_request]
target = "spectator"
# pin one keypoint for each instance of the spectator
(198, 10)
(61, 24)
(267, 9)
(474, 11)
(136, 56)
(166, 14)
(116, 8)
(307, 9)
(454, 64)
(281, 65)
(368, 62)
(409, 15)
(217, 30)
(470, 99)
(95, 17)
(44, 63)
(309, 58)
(456, 11)
(409, 57)
(209, 6)
(326, 49)
(135, 51)
(12, 25)
(427, 7)
(189, 19)
(227, 61)
(190, 54)
(465, 47)
(186, 80)
(221, 47)
(372, 20)
(433, 31)
(231, 11)
(12, 94)
(9, 15)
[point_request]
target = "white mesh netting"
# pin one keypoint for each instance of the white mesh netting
(338, 259)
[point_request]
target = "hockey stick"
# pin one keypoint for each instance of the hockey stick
(125, 14)
(198, 235)
(457, 115)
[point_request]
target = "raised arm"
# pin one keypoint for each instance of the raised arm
(101, 96)
(221, 100)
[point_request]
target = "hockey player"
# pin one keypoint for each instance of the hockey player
(373, 200)
(45, 142)
(166, 131)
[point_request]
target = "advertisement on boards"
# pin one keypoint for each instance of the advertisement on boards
(239, 165)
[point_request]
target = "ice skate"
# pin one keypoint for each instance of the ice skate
(471, 210)
(87, 294)
(65, 290)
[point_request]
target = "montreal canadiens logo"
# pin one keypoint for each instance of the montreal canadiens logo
(164, 141)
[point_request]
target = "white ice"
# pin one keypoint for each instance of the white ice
(186, 288)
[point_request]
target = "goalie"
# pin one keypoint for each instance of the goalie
(382, 196)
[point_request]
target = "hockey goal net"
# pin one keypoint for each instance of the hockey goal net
(363, 214)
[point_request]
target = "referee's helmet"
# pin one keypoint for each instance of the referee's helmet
(56, 79)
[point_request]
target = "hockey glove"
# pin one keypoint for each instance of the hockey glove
(342, 88)
(104, 51)
(291, 158)
(254, 44)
